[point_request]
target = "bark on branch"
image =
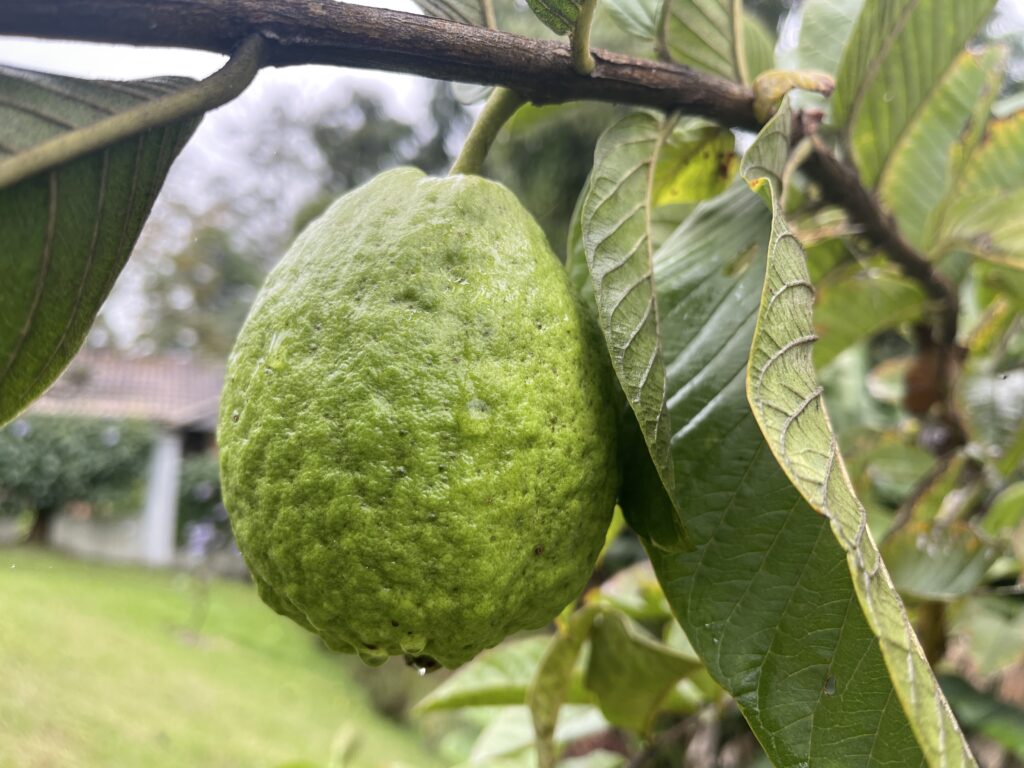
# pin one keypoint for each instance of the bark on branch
(326, 32)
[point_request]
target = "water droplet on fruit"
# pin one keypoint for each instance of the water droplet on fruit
(413, 644)
(372, 657)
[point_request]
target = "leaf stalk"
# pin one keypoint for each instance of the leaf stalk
(220, 87)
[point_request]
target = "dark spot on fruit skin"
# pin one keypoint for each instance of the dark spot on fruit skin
(538, 550)
(394, 623)
(235, 417)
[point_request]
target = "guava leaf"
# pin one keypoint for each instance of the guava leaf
(993, 405)
(758, 46)
(937, 562)
(630, 672)
(576, 256)
(982, 215)
(508, 740)
(1009, 105)
(920, 170)
(497, 676)
(991, 631)
(929, 495)
(787, 401)
(997, 163)
(1006, 512)
(465, 11)
(598, 758)
(989, 227)
(615, 221)
(878, 94)
(551, 683)
(825, 26)
(636, 17)
(696, 161)
(636, 592)
(642, 163)
(853, 303)
(983, 713)
(761, 589)
(558, 15)
(69, 230)
(705, 34)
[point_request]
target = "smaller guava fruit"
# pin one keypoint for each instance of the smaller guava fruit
(416, 432)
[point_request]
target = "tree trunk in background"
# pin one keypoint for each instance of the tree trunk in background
(39, 535)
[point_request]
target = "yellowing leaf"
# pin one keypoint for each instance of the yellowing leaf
(695, 162)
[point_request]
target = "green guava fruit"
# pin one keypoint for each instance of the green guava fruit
(417, 430)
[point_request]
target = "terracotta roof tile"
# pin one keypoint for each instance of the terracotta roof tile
(166, 390)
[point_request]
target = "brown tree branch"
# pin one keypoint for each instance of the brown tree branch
(842, 187)
(327, 32)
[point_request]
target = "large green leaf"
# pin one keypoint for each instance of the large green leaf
(982, 214)
(558, 15)
(854, 303)
(758, 46)
(761, 586)
(551, 685)
(993, 405)
(1006, 512)
(68, 230)
(920, 170)
(636, 592)
(466, 11)
(787, 401)
(937, 562)
(630, 672)
(508, 740)
(705, 34)
(640, 162)
(615, 221)
(985, 714)
(824, 28)
(987, 225)
(895, 59)
(997, 163)
(637, 17)
(497, 676)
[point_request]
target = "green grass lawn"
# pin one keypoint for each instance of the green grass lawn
(101, 666)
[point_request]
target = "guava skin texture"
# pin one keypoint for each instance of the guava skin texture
(416, 431)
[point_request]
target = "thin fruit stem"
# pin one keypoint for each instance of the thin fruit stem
(501, 105)
(579, 39)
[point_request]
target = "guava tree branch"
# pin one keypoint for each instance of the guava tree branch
(341, 34)
(326, 32)
(841, 185)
